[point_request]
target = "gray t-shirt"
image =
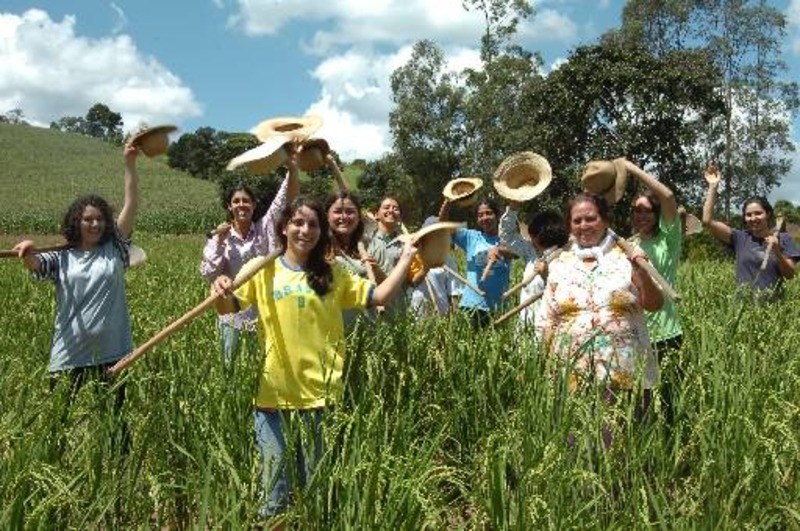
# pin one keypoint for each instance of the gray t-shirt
(92, 326)
(749, 252)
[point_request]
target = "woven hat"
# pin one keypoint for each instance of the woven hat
(292, 128)
(522, 176)
(691, 225)
(312, 154)
(461, 191)
(153, 141)
(433, 240)
(606, 177)
(262, 159)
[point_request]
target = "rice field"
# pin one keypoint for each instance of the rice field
(440, 428)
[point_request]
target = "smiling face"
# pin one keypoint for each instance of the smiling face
(343, 217)
(756, 219)
(302, 233)
(241, 207)
(644, 216)
(586, 225)
(93, 226)
(487, 219)
(389, 213)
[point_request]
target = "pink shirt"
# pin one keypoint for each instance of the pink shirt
(228, 257)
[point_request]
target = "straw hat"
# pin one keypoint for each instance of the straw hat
(522, 176)
(461, 191)
(262, 159)
(433, 240)
(691, 225)
(606, 178)
(292, 128)
(153, 141)
(312, 155)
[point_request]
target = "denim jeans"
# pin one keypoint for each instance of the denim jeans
(290, 443)
(231, 339)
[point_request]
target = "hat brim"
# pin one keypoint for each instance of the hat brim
(535, 164)
(153, 141)
(261, 159)
(296, 129)
(621, 182)
(449, 189)
(421, 233)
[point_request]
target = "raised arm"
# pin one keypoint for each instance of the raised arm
(386, 290)
(669, 205)
(510, 237)
(720, 230)
(127, 215)
(288, 192)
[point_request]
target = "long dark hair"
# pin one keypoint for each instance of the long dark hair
(259, 208)
(71, 224)
(317, 269)
(548, 226)
(351, 246)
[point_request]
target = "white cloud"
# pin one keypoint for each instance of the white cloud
(548, 25)
(790, 187)
(356, 97)
(48, 71)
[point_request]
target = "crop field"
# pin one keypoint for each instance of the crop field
(440, 427)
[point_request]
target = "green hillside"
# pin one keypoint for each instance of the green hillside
(42, 171)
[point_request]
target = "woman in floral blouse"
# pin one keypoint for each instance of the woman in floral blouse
(591, 314)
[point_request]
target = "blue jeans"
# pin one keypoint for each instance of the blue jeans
(231, 342)
(290, 443)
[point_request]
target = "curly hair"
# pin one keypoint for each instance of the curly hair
(317, 269)
(351, 246)
(71, 224)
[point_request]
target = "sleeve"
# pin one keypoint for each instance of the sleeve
(49, 268)
(461, 239)
(269, 223)
(214, 261)
(377, 251)
(352, 291)
(122, 246)
(788, 247)
(732, 247)
(511, 238)
(246, 294)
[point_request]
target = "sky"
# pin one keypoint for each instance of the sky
(229, 64)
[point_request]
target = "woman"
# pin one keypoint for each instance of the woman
(659, 232)
(547, 233)
(482, 249)
(346, 229)
(300, 298)
(92, 324)
(241, 238)
(751, 245)
(591, 314)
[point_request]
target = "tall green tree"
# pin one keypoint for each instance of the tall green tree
(102, 122)
(743, 39)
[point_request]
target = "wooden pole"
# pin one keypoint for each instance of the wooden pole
(521, 306)
(529, 278)
(466, 282)
(778, 228)
(246, 273)
(662, 282)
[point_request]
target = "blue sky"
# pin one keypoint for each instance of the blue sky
(229, 64)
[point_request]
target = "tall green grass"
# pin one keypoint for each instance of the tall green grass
(439, 427)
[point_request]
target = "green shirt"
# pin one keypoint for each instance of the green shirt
(664, 250)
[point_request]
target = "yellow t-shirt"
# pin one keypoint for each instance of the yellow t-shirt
(303, 334)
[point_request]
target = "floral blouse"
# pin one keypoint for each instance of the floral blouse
(591, 316)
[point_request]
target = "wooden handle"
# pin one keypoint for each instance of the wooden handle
(662, 282)
(246, 273)
(528, 279)
(337, 175)
(521, 306)
(431, 293)
(487, 270)
(466, 282)
(10, 253)
(778, 228)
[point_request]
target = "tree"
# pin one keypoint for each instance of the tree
(743, 39)
(387, 177)
(427, 125)
(13, 117)
(102, 122)
(195, 153)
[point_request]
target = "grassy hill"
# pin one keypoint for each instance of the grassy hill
(42, 171)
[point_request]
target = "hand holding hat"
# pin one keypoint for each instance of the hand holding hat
(153, 141)
(606, 178)
(712, 175)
